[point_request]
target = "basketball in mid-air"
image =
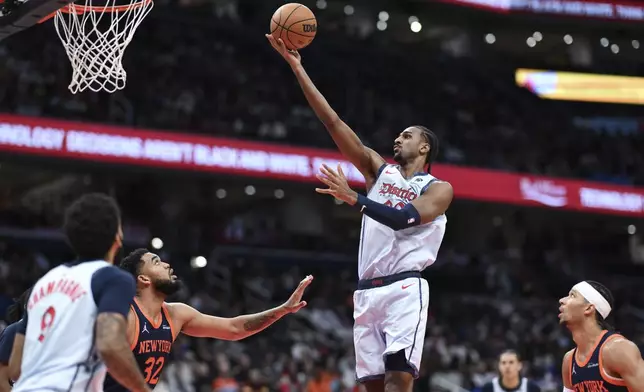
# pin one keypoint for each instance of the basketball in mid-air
(295, 24)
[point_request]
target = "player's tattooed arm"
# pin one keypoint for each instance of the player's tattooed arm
(113, 347)
(194, 323)
(365, 159)
(622, 359)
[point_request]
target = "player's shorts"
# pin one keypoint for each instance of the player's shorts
(390, 315)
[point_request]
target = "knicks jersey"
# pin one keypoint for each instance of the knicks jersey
(59, 351)
(590, 376)
(151, 347)
(384, 251)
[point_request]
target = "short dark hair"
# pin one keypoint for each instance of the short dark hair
(132, 262)
(18, 309)
(605, 292)
(432, 139)
(91, 224)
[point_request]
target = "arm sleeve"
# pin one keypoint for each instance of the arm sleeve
(6, 342)
(395, 219)
(113, 290)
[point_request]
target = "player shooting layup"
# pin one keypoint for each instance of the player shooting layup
(153, 324)
(402, 230)
(603, 361)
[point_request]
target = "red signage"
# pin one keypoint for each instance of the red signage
(101, 143)
(621, 10)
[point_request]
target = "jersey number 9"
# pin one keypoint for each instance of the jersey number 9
(46, 322)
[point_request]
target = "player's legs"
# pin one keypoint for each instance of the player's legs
(404, 327)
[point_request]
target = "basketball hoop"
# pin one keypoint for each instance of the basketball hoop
(95, 38)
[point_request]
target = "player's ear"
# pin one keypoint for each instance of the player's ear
(424, 148)
(589, 309)
(143, 279)
(520, 365)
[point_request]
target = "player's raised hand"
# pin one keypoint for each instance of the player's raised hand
(295, 303)
(292, 57)
(337, 183)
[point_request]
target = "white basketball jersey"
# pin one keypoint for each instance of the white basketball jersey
(496, 384)
(59, 352)
(384, 251)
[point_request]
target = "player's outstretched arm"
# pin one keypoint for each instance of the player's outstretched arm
(622, 358)
(194, 323)
(424, 209)
(349, 144)
(113, 291)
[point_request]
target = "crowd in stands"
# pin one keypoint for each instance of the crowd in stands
(205, 67)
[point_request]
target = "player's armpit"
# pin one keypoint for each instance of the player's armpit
(114, 348)
(434, 202)
(16, 356)
(197, 324)
(621, 358)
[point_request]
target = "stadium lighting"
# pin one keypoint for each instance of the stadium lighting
(249, 190)
(636, 44)
(156, 243)
(537, 36)
(568, 39)
(221, 193)
(632, 229)
(279, 194)
(490, 38)
(614, 48)
(412, 19)
(604, 42)
(416, 27)
(381, 25)
(198, 262)
(321, 4)
(531, 42)
(348, 9)
(383, 16)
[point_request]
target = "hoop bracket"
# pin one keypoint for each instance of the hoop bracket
(28, 14)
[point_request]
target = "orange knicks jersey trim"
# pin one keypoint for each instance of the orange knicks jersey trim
(590, 375)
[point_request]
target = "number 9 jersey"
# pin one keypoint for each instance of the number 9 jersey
(59, 351)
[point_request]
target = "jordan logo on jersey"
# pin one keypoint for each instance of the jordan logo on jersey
(392, 189)
(145, 328)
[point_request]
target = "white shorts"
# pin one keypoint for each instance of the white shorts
(389, 319)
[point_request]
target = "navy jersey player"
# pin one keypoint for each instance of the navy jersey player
(602, 360)
(76, 320)
(153, 324)
(509, 379)
(402, 229)
(14, 315)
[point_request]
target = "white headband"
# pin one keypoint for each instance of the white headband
(594, 297)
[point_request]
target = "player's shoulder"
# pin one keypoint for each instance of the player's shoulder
(111, 273)
(617, 345)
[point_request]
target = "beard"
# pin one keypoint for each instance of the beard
(167, 286)
(398, 157)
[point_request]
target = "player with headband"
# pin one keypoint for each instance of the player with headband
(603, 360)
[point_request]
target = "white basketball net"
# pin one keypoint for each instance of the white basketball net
(95, 38)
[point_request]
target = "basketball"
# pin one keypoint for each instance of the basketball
(295, 24)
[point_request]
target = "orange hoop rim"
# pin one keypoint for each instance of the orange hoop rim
(77, 9)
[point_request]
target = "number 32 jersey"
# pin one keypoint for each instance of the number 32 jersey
(59, 351)
(151, 346)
